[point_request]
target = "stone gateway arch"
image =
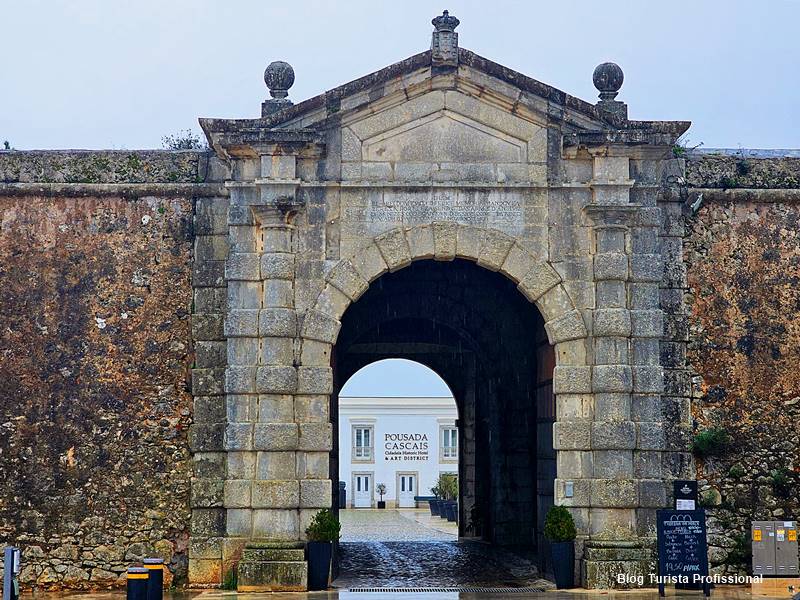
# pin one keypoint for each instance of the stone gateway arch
(444, 167)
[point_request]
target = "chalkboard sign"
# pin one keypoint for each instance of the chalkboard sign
(682, 549)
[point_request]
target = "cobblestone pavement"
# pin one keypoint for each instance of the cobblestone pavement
(408, 548)
(364, 525)
(434, 564)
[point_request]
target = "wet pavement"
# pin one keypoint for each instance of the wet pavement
(434, 564)
(409, 548)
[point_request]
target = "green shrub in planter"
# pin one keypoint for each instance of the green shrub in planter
(324, 527)
(713, 441)
(559, 525)
(559, 529)
(323, 530)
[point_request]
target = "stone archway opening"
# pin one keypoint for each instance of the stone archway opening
(487, 341)
(397, 437)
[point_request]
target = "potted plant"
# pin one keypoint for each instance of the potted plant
(323, 530)
(559, 529)
(434, 502)
(448, 491)
(381, 489)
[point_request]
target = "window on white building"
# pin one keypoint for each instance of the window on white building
(449, 443)
(363, 443)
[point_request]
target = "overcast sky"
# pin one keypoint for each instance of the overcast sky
(113, 74)
(395, 377)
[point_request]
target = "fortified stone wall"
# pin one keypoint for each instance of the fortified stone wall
(101, 252)
(96, 347)
(742, 251)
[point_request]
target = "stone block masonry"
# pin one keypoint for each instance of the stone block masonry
(170, 320)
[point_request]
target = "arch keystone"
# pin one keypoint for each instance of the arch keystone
(394, 248)
(444, 240)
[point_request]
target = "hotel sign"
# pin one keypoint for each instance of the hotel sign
(405, 446)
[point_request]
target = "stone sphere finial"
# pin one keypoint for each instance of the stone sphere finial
(279, 77)
(445, 22)
(608, 78)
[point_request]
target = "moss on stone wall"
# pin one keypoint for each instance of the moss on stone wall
(743, 262)
(94, 395)
(104, 166)
(742, 170)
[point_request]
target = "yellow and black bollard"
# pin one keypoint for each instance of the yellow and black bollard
(137, 583)
(155, 583)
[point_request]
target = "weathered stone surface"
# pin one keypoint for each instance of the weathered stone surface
(97, 344)
(272, 576)
(348, 280)
(277, 265)
(394, 249)
(613, 435)
(612, 378)
(315, 436)
(612, 322)
(320, 326)
(275, 436)
(275, 493)
(538, 280)
(316, 493)
(275, 465)
(276, 380)
(572, 380)
(314, 380)
(277, 322)
(237, 493)
(276, 524)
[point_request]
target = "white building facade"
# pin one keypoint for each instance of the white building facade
(402, 443)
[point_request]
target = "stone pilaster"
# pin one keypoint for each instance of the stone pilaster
(622, 374)
(207, 434)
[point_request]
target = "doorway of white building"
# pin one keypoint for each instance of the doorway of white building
(406, 490)
(362, 490)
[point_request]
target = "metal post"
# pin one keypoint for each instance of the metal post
(137, 583)
(155, 583)
(11, 570)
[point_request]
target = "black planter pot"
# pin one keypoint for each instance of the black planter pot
(381, 503)
(563, 554)
(443, 509)
(434, 506)
(452, 511)
(319, 564)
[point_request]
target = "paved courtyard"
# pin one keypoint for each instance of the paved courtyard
(402, 525)
(410, 548)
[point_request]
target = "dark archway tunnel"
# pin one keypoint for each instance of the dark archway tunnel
(482, 336)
